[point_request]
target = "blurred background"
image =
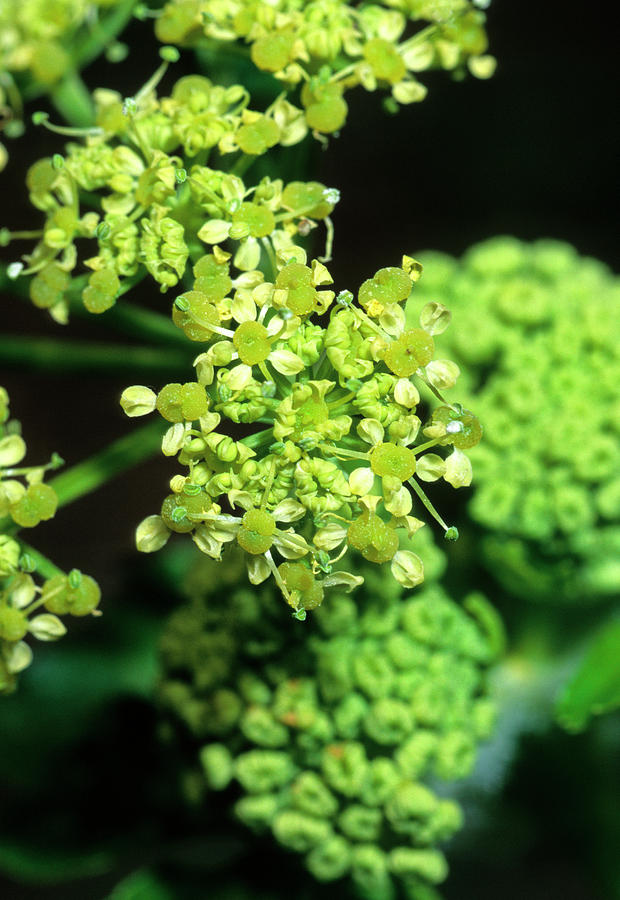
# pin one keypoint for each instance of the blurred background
(89, 792)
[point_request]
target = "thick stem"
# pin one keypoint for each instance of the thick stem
(119, 456)
(73, 100)
(104, 33)
(52, 356)
(258, 439)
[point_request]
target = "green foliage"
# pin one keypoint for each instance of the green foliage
(330, 47)
(595, 686)
(536, 334)
(333, 733)
(140, 885)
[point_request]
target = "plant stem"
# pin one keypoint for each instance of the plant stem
(258, 439)
(42, 564)
(117, 457)
(132, 320)
(46, 354)
(73, 101)
(427, 503)
(103, 33)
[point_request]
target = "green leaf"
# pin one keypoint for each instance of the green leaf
(33, 864)
(595, 687)
(140, 885)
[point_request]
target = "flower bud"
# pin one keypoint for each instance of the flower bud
(442, 373)
(151, 534)
(138, 400)
(430, 467)
(46, 627)
(407, 568)
(361, 481)
(12, 450)
(9, 555)
(458, 471)
(406, 393)
(371, 431)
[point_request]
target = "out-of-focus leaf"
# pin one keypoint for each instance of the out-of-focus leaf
(68, 688)
(141, 885)
(31, 864)
(595, 686)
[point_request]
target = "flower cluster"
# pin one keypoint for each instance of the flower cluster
(338, 451)
(537, 329)
(329, 46)
(153, 202)
(330, 738)
(24, 505)
(40, 44)
(38, 37)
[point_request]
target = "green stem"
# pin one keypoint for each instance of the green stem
(42, 564)
(427, 503)
(145, 324)
(23, 235)
(272, 259)
(132, 320)
(73, 100)
(117, 457)
(258, 439)
(433, 389)
(104, 33)
(49, 355)
(422, 447)
(337, 402)
(101, 35)
(333, 450)
(242, 165)
(213, 49)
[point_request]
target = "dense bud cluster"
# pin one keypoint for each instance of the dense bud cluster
(338, 451)
(328, 46)
(334, 738)
(24, 502)
(536, 330)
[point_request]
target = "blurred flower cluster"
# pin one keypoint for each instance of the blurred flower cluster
(329, 46)
(331, 737)
(536, 331)
(41, 42)
(24, 502)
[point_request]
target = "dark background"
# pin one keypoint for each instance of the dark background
(531, 152)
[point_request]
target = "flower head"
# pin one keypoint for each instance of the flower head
(331, 465)
(332, 742)
(535, 335)
(25, 500)
(330, 46)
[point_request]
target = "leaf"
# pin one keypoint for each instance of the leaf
(36, 865)
(140, 885)
(595, 687)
